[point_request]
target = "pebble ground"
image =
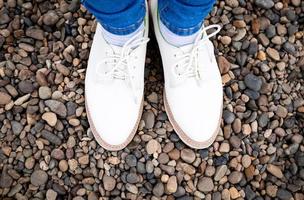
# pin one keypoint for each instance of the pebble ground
(47, 150)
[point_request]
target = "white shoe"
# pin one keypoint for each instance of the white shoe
(114, 88)
(193, 94)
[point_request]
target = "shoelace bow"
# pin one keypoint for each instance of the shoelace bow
(120, 66)
(187, 65)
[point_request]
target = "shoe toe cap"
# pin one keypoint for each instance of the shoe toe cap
(197, 114)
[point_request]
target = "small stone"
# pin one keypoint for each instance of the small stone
(188, 155)
(253, 82)
(58, 154)
(235, 141)
(51, 137)
(235, 177)
(63, 69)
(132, 188)
(72, 164)
(4, 18)
(171, 186)
(272, 190)
(246, 161)
(17, 127)
(220, 172)
(51, 194)
(281, 111)
(4, 98)
(50, 18)
(153, 98)
(84, 160)
(39, 178)
(29, 163)
(132, 178)
(149, 119)
(5, 179)
(50, 118)
(284, 194)
(224, 148)
(158, 189)
(275, 170)
(224, 64)
(205, 184)
(57, 107)
(63, 165)
(35, 33)
(153, 146)
(266, 4)
(109, 183)
(228, 116)
(131, 160)
(261, 55)
(226, 40)
(273, 53)
(26, 86)
(44, 92)
(234, 193)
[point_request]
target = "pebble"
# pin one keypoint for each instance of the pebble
(235, 177)
(109, 183)
(131, 160)
(224, 64)
(17, 127)
(4, 98)
(149, 119)
(57, 107)
(35, 33)
(188, 155)
(153, 146)
(246, 161)
(84, 160)
(50, 18)
(283, 194)
(253, 82)
(266, 4)
(158, 189)
(205, 184)
(50, 118)
(275, 170)
(153, 97)
(220, 172)
(39, 178)
(51, 194)
(273, 53)
(51, 137)
(44, 92)
(132, 188)
(171, 186)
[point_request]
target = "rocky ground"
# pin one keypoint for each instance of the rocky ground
(48, 151)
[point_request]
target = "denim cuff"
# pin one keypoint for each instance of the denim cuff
(124, 30)
(178, 30)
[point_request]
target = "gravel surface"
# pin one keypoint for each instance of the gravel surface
(47, 150)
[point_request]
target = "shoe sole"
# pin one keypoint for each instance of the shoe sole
(106, 145)
(183, 136)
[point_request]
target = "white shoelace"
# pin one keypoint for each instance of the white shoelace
(120, 64)
(187, 64)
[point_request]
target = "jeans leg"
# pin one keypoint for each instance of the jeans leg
(184, 17)
(119, 17)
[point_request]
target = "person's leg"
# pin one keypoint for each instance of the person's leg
(120, 20)
(182, 18)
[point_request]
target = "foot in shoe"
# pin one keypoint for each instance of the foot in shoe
(193, 93)
(114, 88)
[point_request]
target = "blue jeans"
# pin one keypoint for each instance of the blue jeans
(182, 17)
